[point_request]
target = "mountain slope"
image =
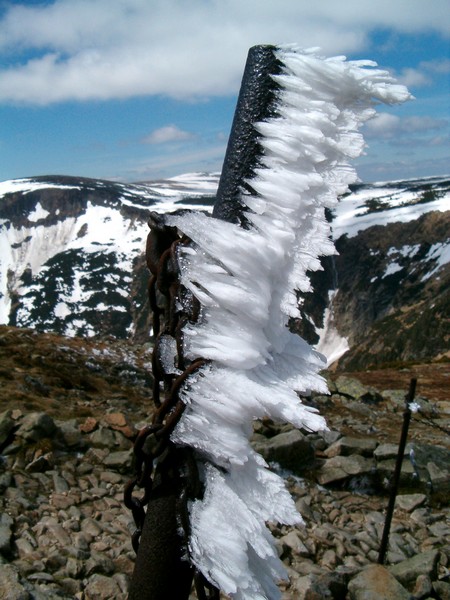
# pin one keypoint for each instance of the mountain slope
(71, 250)
(386, 293)
(71, 262)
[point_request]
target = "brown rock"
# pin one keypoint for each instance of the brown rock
(118, 422)
(89, 425)
(115, 420)
(375, 582)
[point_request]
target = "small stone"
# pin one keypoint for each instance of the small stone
(36, 426)
(330, 436)
(93, 456)
(291, 450)
(442, 589)
(110, 477)
(408, 570)
(60, 485)
(89, 425)
(102, 438)
(375, 582)
(121, 460)
(305, 588)
(5, 481)
(343, 467)
(292, 542)
(124, 564)
(65, 500)
(10, 587)
(116, 420)
(349, 386)
(349, 445)
(41, 577)
(422, 587)
(41, 463)
(70, 434)
(99, 563)
(329, 559)
(119, 422)
(100, 587)
(387, 451)
(408, 502)
(123, 582)
(74, 567)
(71, 586)
(91, 527)
(24, 547)
(440, 530)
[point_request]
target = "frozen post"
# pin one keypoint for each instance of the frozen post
(226, 288)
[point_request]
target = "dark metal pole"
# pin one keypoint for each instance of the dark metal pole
(160, 572)
(398, 467)
(256, 102)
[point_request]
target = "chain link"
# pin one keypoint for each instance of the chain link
(168, 301)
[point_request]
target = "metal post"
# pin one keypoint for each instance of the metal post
(161, 572)
(398, 467)
(256, 102)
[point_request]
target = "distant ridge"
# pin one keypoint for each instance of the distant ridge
(72, 262)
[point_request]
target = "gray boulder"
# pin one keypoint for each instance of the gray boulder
(291, 450)
(10, 587)
(407, 571)
(36, 426)
(339, 468)
(351, 445)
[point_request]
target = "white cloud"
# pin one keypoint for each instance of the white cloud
(101, 49)
(424, 74)
(413, 78)
(169, 133)
(387, 126)
(441, 67)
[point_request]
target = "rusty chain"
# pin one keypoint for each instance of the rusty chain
(172, 307)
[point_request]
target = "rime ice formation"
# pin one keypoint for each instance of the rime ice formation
(246, 281)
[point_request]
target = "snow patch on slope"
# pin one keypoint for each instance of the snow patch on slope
(351, 215)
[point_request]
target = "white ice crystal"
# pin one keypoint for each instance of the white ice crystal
(246, 282)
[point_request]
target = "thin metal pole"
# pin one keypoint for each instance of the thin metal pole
(398, 467)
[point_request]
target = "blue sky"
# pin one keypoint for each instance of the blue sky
(136, 90)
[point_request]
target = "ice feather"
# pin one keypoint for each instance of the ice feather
(246, 281)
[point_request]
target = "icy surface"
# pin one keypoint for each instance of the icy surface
(246, 282)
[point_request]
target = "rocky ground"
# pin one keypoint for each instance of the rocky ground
(70, 408)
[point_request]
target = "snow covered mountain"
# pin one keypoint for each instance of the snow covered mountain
(71, 261)
(72, 250)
